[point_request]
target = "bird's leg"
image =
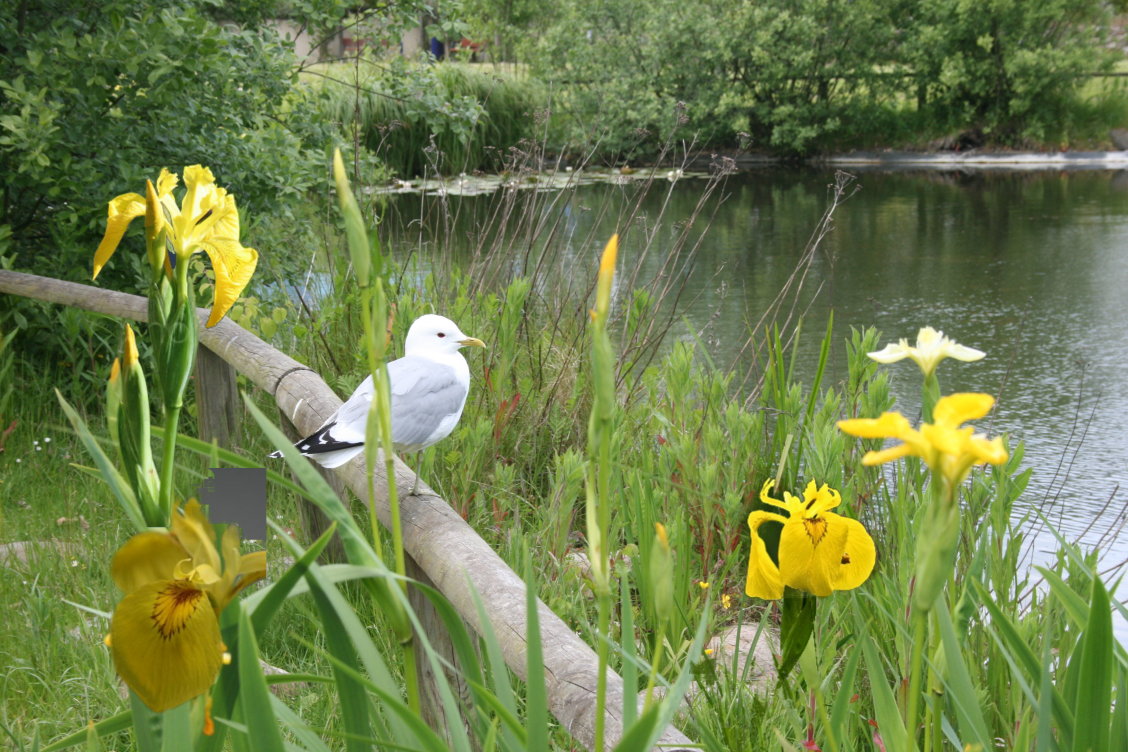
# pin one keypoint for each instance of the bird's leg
(417, 461)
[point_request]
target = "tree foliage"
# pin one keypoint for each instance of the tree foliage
(796, 77)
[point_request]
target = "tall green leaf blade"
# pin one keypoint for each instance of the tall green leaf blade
(536, 698)
(118, 485)
(514, 737)
(112, 725)
(1118, 738)
(177, 731)
(304, 735)
(351, 697)
(254, 696)
(267, 604)
(962, 694)
(1045, 740)
(890, 723)
(627, 647)
(840, 708)
(1094, 688)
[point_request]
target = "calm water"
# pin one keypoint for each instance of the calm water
(1030, 267)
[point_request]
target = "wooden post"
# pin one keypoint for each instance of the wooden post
(217, 399)
(430, 702)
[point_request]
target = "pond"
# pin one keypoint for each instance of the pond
(1029, 266)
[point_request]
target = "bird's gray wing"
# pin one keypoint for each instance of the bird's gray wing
(347, 424)
(427, 397)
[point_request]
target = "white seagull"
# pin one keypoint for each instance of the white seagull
(428, 384)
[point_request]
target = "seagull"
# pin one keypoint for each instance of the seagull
(428, 384)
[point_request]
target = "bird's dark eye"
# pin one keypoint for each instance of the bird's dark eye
(441, 335)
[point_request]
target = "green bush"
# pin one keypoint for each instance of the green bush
(95, 102)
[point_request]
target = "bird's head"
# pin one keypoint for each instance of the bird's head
(436, 334)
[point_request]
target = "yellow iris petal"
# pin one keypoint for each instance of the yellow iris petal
(887, 455)
(810, 550)
(238, 571)
(960, 408)
(166, 181)
(858, 556)
(987, 450)
(233, 266)
(123, 210)
(763, 575)
(146, 557)
(165, 642)
(944, 439)
(195, 533)
(889, 425)
(200, 184)
(252, 568)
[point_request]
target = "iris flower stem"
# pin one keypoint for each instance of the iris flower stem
(920, 622)
(172, 411)
(652, 679)
(168, 461)
(603, 590)
(603, 645)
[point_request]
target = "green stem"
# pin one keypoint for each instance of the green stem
(602, 646)
(411, 677)
(168, 461)
(652, 680)
(374, 308)
(920, 619)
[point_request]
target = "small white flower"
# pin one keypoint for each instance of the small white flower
(18, 460)
(39, 449)
(931, 348)
(47, 440)
(35, 443)
(74, 562)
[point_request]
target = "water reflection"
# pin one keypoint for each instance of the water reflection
(1030, 267)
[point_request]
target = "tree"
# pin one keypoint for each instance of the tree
(1006, 67)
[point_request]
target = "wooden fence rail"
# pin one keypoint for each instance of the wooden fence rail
(442, 546)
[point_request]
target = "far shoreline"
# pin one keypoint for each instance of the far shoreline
(973, 159)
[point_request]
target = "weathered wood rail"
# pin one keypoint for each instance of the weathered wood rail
(440, 543)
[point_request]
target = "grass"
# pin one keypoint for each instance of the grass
(1015, 656)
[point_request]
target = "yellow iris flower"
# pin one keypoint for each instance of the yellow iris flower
(819, 551)
(164, 634)
(207, 220)
(945, 446)
(931, 348)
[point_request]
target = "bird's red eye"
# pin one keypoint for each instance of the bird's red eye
(441, 335)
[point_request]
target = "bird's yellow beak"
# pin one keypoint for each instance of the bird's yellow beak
(471, 342)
